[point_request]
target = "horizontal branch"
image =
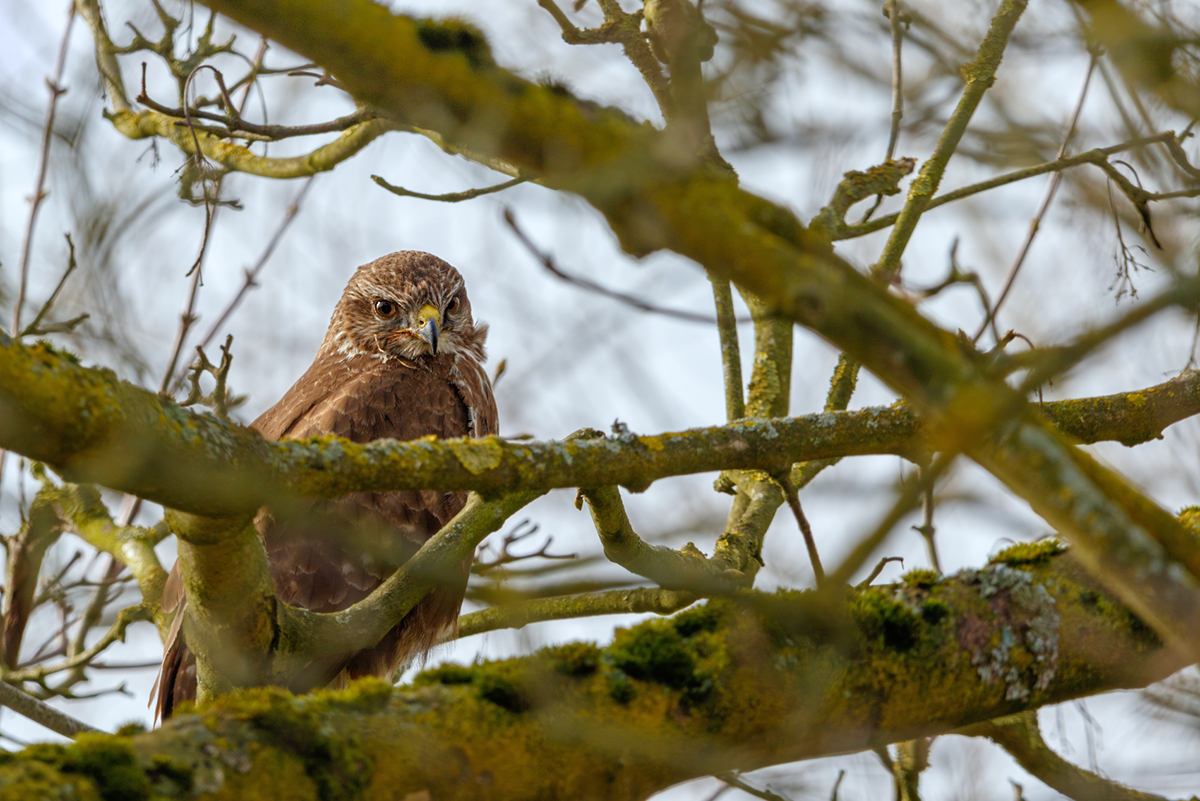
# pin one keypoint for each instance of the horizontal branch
(144, 124)
(91, 427)
(567, 607)
(839, 230)
(718, 687)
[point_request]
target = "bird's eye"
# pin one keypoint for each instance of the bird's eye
(454, 305)
(385, 308)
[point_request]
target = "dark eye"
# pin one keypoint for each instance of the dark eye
(454, 304)
(385, 308)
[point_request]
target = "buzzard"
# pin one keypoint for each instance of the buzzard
(402, 358)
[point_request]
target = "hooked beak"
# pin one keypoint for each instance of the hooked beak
(428, 320)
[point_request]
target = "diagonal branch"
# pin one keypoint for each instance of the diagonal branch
(1020, 737)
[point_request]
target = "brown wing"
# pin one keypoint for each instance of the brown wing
(392, 399)
(361, 402)
(475, 388)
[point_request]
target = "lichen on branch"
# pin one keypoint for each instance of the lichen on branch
(724, 686)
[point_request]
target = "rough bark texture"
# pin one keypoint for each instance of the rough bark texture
(717, 687)
(90, 426)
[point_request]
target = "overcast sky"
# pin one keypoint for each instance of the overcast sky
(575, 359)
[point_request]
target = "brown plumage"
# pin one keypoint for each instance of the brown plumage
(402, 358)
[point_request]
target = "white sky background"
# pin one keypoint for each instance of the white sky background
(576, 359)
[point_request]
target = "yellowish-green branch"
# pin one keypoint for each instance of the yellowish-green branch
(84, 514)
(654, 199)
(567, 607)
(90, 426)
(238, 158)
(671, 569)
(305, 638)
(715, 688)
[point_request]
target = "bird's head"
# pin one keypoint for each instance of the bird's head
(408, 305)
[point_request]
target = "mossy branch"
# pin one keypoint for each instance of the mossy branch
(85, 515)
(715, 688)
(90, 426)
(566, 607)
(654, 200)
(238, 158)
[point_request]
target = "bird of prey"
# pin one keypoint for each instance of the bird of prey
(402, 358)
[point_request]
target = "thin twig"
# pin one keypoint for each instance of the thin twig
(793, 500)
(910, 496)
(549, 263)
(926, 528)
(875, 571)
(34, 328)
(981, 73)
(252, 274)
(1090, 157)
(449, 197)
(733, 780)
(892, 9)
(35, 202)
(1043, 206)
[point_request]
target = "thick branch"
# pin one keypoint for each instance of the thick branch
(91, 427)
(713, 689)
(654, 199)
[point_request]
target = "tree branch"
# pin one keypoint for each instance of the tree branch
(91, 427)
(26, 705)
(671, 569)
(567, 607)
(1019, 736)
(714, 689)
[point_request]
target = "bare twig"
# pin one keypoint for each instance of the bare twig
(253, 273)
(733, 780)
(1094, 157)
(36, 328)
(1043, 206)
(909, 497)
(549, 263)
(793, 500)
(896, 17)
(449, 197)
(875, 571)
(504, 554)
(731, 354)
(219, 400)
(35, 201)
